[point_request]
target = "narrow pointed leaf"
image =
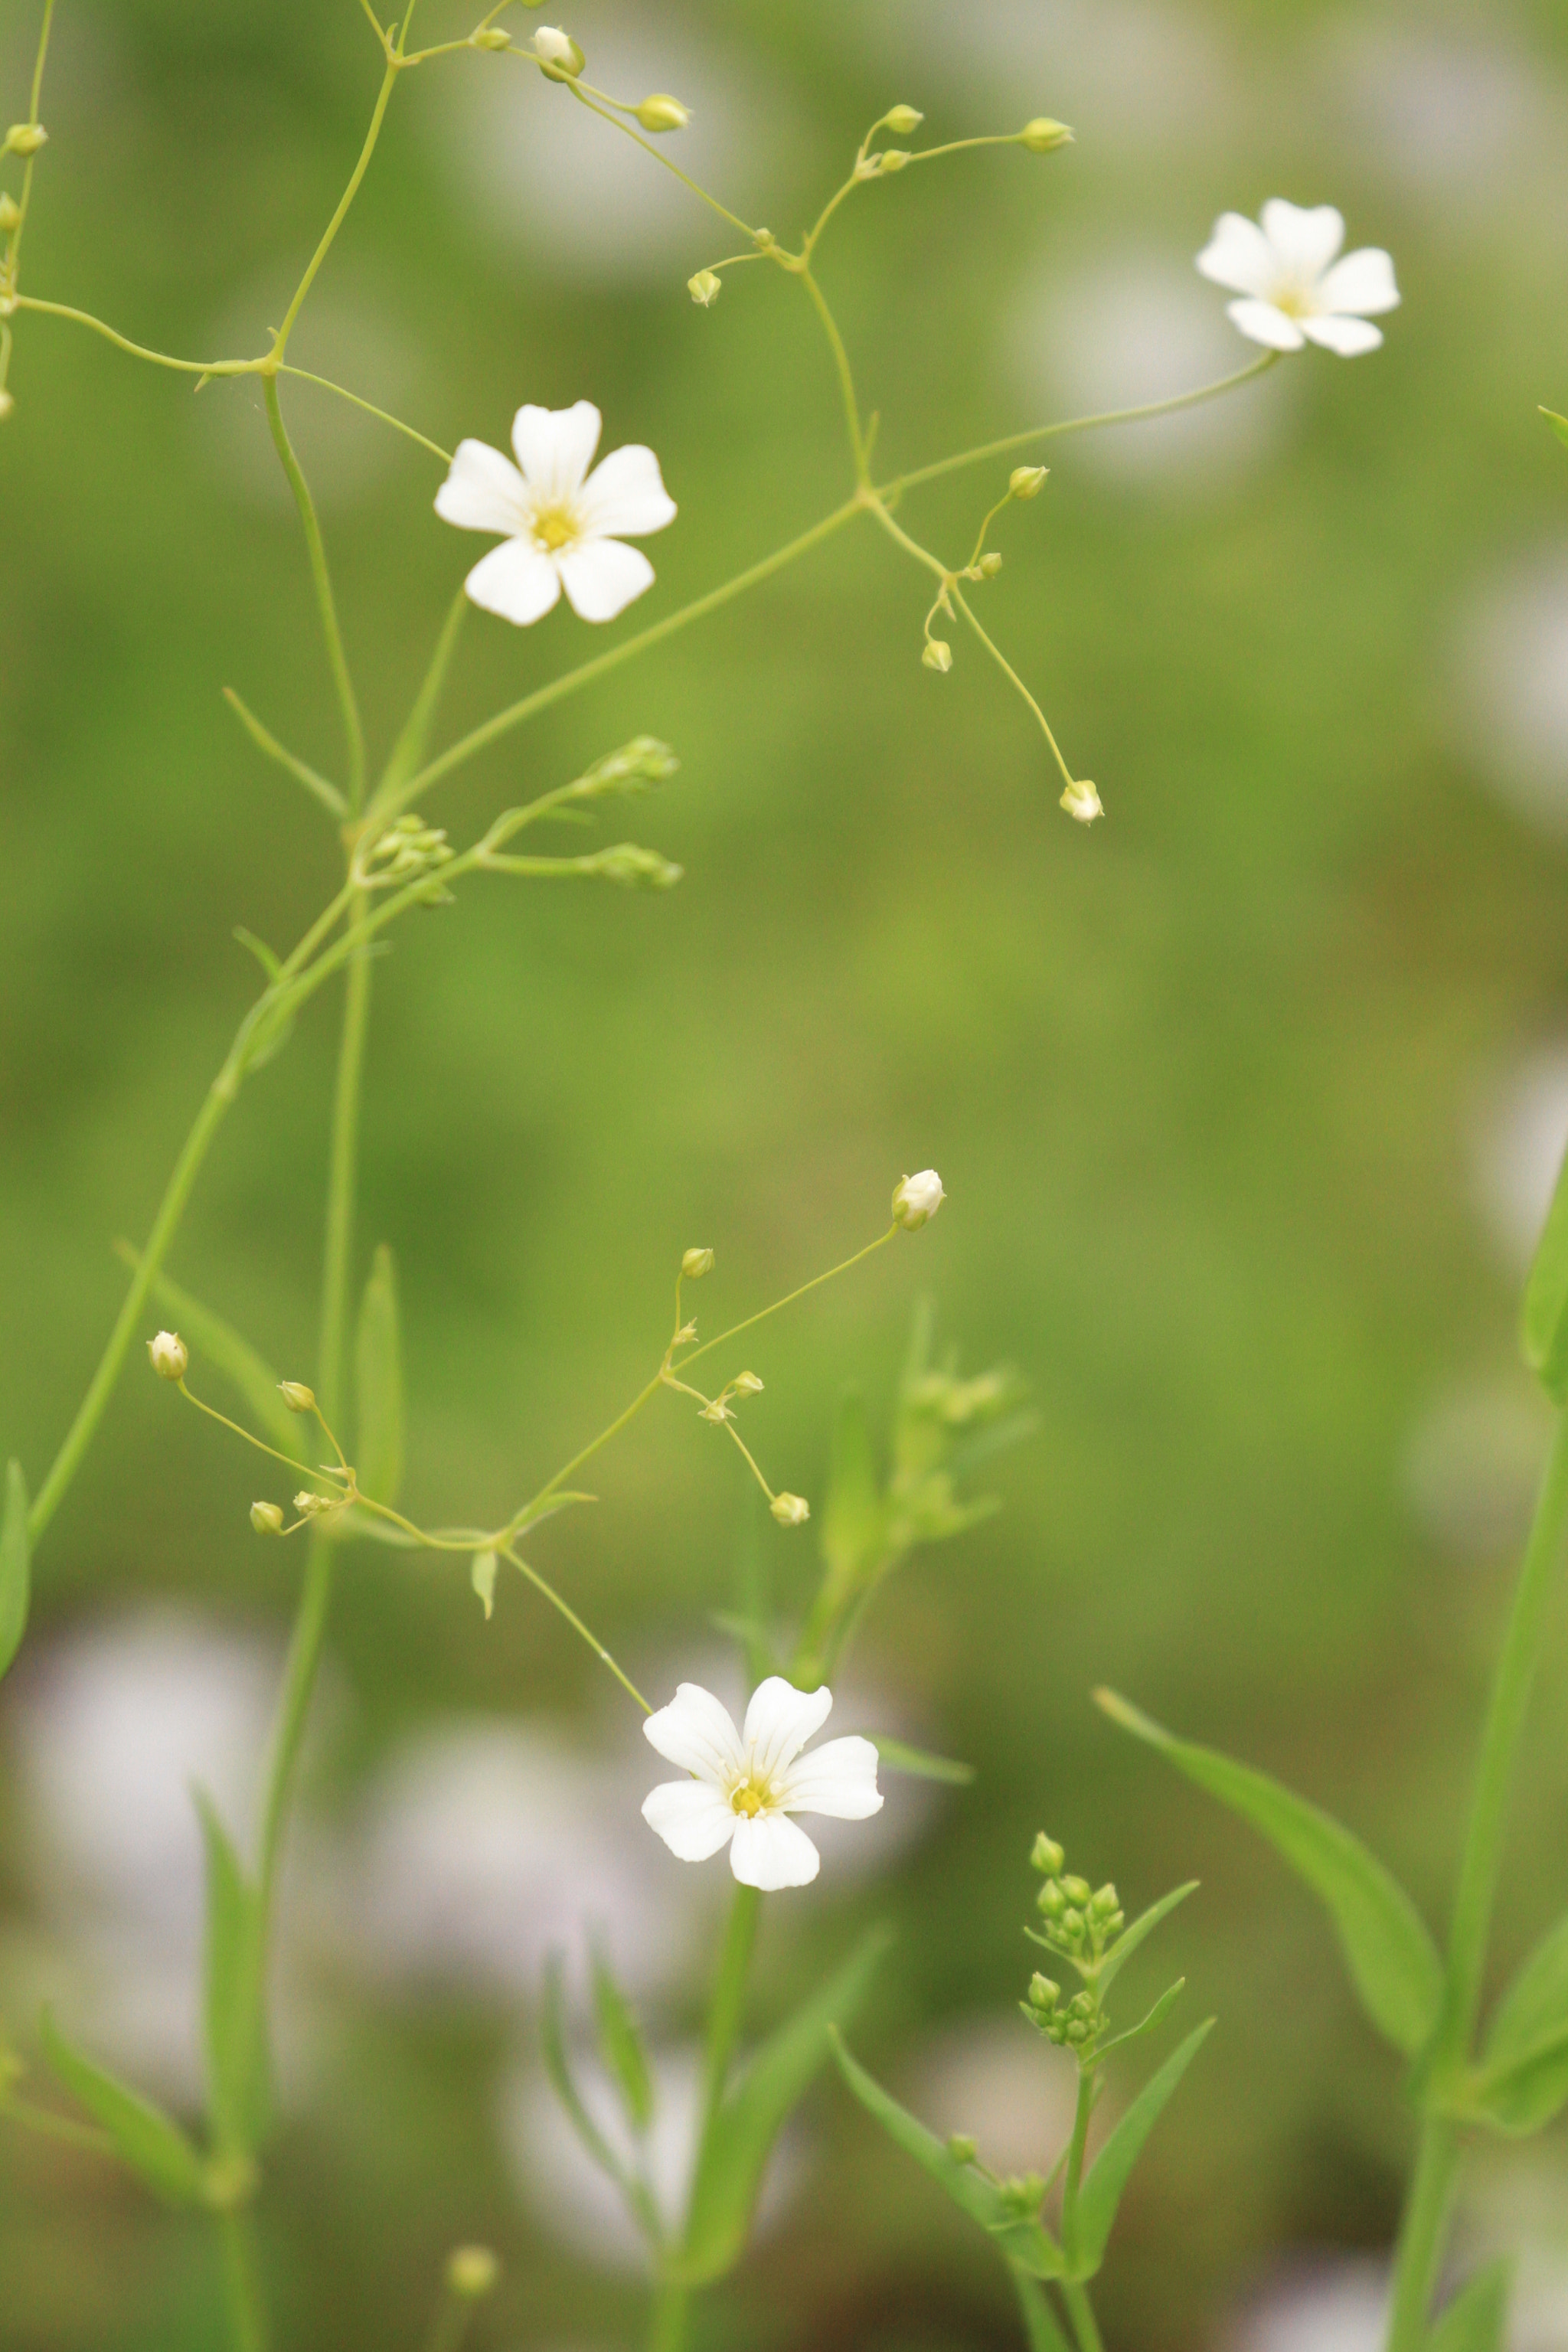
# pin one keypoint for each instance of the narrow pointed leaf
(1101, 2193)
(328, 794)
(1157, 2016)
(853, 1517)
(899, 1757)
(621, 2046)
(1477, 2318)
(1024, 2242)
(754, 2111)
(557, 2065)
(482, 1574)
(16, 1566)
(1536, 2004)
(1559, 424)
(1520, 2094)
(220, 1344)
(1543, 1322)
(145, 2139)
(1121, 1951)
(235, 2048)
(378, 1373)
(1392, 1961)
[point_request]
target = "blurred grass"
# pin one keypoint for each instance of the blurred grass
(1198, 1082)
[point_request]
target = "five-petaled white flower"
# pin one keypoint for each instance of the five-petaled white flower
(562, 527)
(746, 1783)
(1293, 291)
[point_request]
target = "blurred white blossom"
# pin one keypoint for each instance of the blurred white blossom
(1293, 291)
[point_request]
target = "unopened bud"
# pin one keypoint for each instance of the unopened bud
(916, 1200)
(1078, 2032)
(1043, 1993)
(1050, 1900)
(685, 1335)
(267, 1518)
(1072, 1923)
(893, 159)
(1042, 134)
(1081, 2005)
(901, 119)
(489, 36)
(471, 2273)
(937, 656)
(696, 1263)
(1027, 481)
(1081, 801)
(24, 139)
(297, 1396)
(962, 2149)
(8, 405)
(169, 1356)
(636, 869)
(746, 1384)
(662, 112)
(558, 52)
(790, 1510)
(989, 565)
(1103, 1901)
(10, 214)
(705, 288)
(1077, 1890)
(716, 1411)
(1046, 1855)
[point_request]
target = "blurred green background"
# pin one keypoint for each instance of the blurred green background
(1247, 1100)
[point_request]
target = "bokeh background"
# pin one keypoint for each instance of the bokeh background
(1247, 1101)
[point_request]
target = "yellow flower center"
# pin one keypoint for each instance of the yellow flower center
(749, 1799)
(555, 528)
(1295, 301)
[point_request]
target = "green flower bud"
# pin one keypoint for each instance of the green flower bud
(267, 1518)
(696, 1263)
(1077, 2033)
(662, 112)
(169, 1356)
(1076, 1889)
(1042, 134)
(962, 2149)
(1081, 801)
(1051, 1899)
(10, 214)
(989, 566)
(1047, 1855)
(489, 36)
(1115, 1924)
(471, 2273)
(937, 656)
(1024, 2191)
(705, 288)
(901, 119)
(1072, 1923)
(1103, 1902)
(1043, 1993)
(745, 1384)
(893, 159)
(790, 1510)
(24, 139)
(297, 1396)
(558, 53)
(1081, 2005)
(1027, 481)
(635, 868)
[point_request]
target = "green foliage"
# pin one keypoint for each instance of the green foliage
(1039, 2323)
(558, 2067)
(753, 2112)
(1100, 2195)
(233, 2011)
(378, 1384)
(145, 2139)
(1522, 2081)
(1477, 2318)
(208, 1335)
(16, 1566)
(1559, 424)
(899, 1757)
(1155, 2017)
(1392, 1961)
(1543, 1322)
(1121, 1951)
(1536, 2004)
(621, 2046)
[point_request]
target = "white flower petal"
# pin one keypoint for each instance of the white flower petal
(1349, 337)
(697, 1732)
(555, 448)
(1238, 256)
(625, 498)
(1362, 283)
(691, 1817)
(1306, 237)
(483, 491)
(603, 577)
(839, 1778)
(1260, 322)
(515, 580)
(770, 1852)
(779, 1721)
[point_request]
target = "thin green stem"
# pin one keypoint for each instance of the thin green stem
(138, 351)
(671, 2308)
(409, 747)
(212, 1413)
(325, 604)
(242, 2288)
(727, 2015)
(787, 1300)
(587, 96)
(845, 375)
(593, 1446)
(343, 1179)
(575, 1622)
(1005, 666)
(1080, 2310)
(281, 342)
(370, 407)
(14, 251)
(1039, 2321)
(1076, 2149)
(332, 800)
(1422, 2234)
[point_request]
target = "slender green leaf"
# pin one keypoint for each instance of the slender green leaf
(754, 2110)
(1477, 2318)
(146, 2141)
(1027, 2245)
(16, 1566)
(1101, 2192)
(1039, 2321)
(378, 1371)
(1536, 2004)
(1392, 1959)
(621, 2046)
(1520, 2094)
(994, 1438)
(328, 794)
(209, 1336)
(899, 1757)
(552, 2037)
(1543, 1320)
(1156, 2016)
(1121, 1951)
(1559, 424)
(482, 1575)
(233, 2029)
(853, 1515)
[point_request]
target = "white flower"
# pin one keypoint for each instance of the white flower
(169, 1356)
(1293, 291)
(558, 48)
(561, 524)
(916, 1200)
(746, 1783)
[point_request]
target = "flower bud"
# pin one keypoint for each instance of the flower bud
(1115, 1924)
(8, 405)
(1042, 134)
(10, 214)
(1078, 2032)
(662, 112)
(746, 1384)
(1027, 481)
(471, 2273)
(1103, 1901)
(1047, 1855)
(696, 1263)
(790, 1510)
(1072, 1923)
(636, 869)
(1043, 1993)
(989, 565)
(685, 1335)
(716, 1411)
(489, 36)
(901, 119)
(1050, 1899)
(937, 656)
(1081, 2005)
(169, 1356)
(24, 139)
(558, 52)
(893, 159)
(1081, 801)
(705, 288)
(962, 2149)
(297, 1396)
(267, 1518)
(1075, 1890)
(917, 1201)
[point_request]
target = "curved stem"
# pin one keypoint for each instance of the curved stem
(281, 342)
(369, 407)
(353, 730)
(137, 350)
(575, 1622)
(588, 98)
(14, 249)
(1005, 666)
(787, 1300)
(846, 376)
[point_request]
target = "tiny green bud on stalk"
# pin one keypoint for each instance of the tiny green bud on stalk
(901, 119)
(746, 1384)
(471, 2273)
(489, 36)
(1077, 1890)
(24, 139)
(705, 288)
(267, 1518)
(989, 566)
(696, 1263)
(1050, 1900)
(1027, 481)
(636, 869)
(297, 1396)
(790, 1510)
(1072, 1923)
(169, 1356)
(558, 53)
(962, 2149)
(1043, 1993)
(1042, 134)
(1081, 2005)
(937, 656)
(1046, 1855)
(10, 214)
(1078, 2032)
(662, 112)
(893, 159)
(1103, 1901)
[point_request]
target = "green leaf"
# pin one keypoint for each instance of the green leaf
(16, 1566)
(1559, 424)
(483, 1577)
(235, 2050)
(900, 1758)
(552, 2037)
(854, 1520)
(621, 2046)
(1024, 2242)
(209, 1336)
(1157, 2016)
(144, 2138)
(1520, 2094)
(1543, 1322)
(1476, 2320)
(378, 1377)
(1392, 1959)
(1101, 2192)
(754, 2110)
(1121, 1951)
(1536, 2003)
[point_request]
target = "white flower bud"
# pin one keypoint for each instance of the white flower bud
(1081, 801)
(24, 139)
(558, 51)
(471, 2273)
(490, 36)
(10, 214)
(659, 111)
(790, 1510)
(916, 1200)
(901, 119)
(745, 1384)
(1042, 134)
(267, 1518)
(696, 1263)
(169, 1356)
(705, 288)
(937, 656)
(297, 1396)
(1027, 481)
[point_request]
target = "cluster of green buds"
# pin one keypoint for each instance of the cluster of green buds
(634, 868)
(1081, 1923)
(406, 850)
(946, 1425)
(743, 1385)
(635, 768)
